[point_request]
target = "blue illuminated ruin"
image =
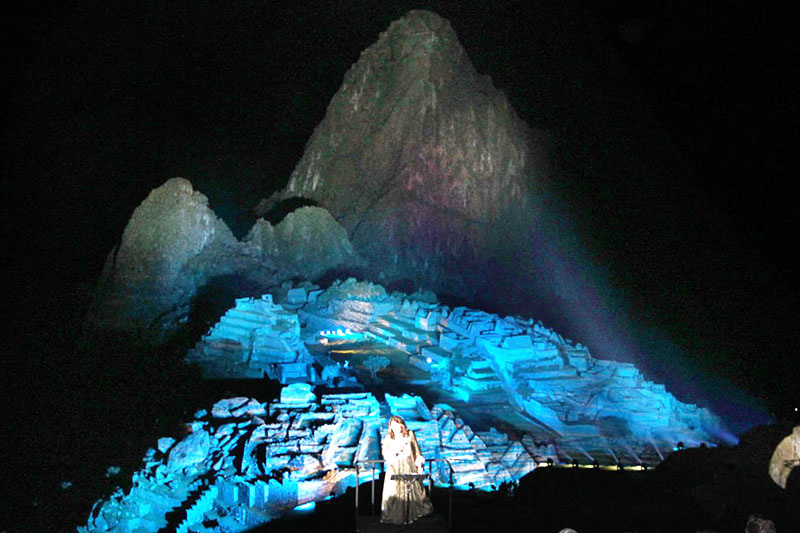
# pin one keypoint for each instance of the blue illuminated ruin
(248, 461)
(550, 386)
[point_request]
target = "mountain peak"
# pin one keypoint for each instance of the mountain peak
(419, 33)
(419, 157)
(421, 47)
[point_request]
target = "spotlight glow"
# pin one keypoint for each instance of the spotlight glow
(305, 507)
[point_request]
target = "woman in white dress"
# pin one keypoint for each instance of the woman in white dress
(403, 501)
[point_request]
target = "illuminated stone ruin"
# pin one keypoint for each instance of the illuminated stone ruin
(256, 338)
(247, 462)
(546, 385)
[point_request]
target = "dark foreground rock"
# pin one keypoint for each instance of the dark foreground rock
(723, 487)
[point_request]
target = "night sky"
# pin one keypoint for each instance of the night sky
(103, 104)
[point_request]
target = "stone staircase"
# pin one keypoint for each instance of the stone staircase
(254, 338)
(194, 508)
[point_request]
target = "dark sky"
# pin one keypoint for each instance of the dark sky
(105, 101)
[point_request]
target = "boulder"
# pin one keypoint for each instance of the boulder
(165, 443)
(223, 408)
(190, 451)
(759, 525)
(252, 408)
(785, 457)
(298, 393)
(297, 295)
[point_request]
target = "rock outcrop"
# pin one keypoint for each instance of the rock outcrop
(785, 457)
(305, 244)
(727, 484)
(424, 162)
(174, 245)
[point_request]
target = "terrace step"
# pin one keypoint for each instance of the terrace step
(242, 322)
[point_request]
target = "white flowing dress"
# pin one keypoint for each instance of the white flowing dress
(402, 501)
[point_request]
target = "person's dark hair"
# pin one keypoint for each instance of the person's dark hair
(403, 427)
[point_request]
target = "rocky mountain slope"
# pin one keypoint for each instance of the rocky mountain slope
(424, 162)
(174, 248)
